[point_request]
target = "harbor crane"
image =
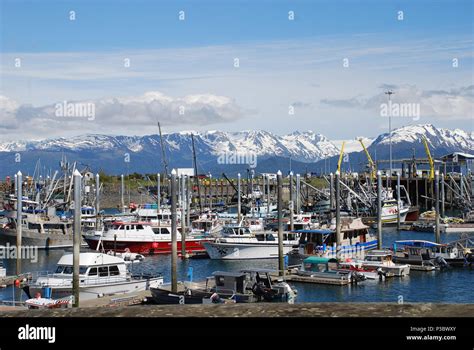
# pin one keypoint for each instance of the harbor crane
(340, 157)
(430, 159)
(372, 166)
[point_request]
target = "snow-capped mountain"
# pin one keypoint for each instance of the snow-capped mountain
(303, 146)
(308, 150)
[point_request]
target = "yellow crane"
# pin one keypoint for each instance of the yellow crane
(430, 159)
(372, 166)
(340, 157)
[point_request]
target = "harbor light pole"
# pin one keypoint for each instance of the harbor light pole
(338, 214)
(390, 93)
(183, 223)
(291, 203)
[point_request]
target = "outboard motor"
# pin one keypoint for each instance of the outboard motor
(382, 274)
(439, 261)
(357, 277)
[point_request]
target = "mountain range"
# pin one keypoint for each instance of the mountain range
(302, 151)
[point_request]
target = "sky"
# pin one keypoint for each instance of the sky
(232, 65)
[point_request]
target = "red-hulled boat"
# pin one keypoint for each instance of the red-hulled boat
(142, 238)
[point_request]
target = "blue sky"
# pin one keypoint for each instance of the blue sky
(191, 63)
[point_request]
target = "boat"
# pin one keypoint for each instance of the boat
(321, 270)
(240, 243)
(383, 259)
(357, 266)
(38, 230)
(207, 224)
(417, 253)
(356, 239)
(245, 286)
(140, 237)
(99, 275)
(457, 228)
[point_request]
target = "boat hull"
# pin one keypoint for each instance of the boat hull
(94, 291)
(241, 251)
(35, 239)
(145, 248)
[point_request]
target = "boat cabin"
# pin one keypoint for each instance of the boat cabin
(318, 264)
(230, 282)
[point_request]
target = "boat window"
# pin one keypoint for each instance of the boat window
(127, 227)
(260, 237)
(219, 281)
(165, 231)
(67, 270)
(103, 271)
(139, 227)
(82, 270)
(270, 237)
(93, 271)
(114, 270)
(121, 227)
(156, 230)
(60, 269)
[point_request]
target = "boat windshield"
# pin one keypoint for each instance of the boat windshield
(68, 269)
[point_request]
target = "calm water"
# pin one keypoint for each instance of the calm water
(450, 286)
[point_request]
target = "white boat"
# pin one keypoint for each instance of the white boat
(383, 259)
(99, 275)
(240, 243)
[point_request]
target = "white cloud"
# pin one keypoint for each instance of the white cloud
(133, 114)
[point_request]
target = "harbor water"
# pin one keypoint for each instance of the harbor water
(452, 285)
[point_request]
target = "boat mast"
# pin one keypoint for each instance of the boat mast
(163, 153)
(196, 178)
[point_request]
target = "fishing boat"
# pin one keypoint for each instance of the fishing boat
(240, 243)
(357, 266)
(140, 237)
(245, 286)
(38, 230)
(418, 254)
(383, 259)
(356, 238)
(99, 275)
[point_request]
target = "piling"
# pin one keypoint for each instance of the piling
(19, 214)
(281, 264)
(174, 245)
(210, 192)
(331, 192)
(268, 195)
(239, 201)
(443, 195)
(436, 186)
(398, 201)
(183, 223)
(122, 191)
(97, 200)
(379, 210)
(76, 236)
(290, 203)
(298, 193)
(188, 202)
(338, 213)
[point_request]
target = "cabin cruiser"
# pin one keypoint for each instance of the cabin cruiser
(418, 254)
(245, 286)
(321, 270)
(140, 237)
(390, 207)
(99, 274)
(240, 243)
(207, 224)
(383, 259)
(356, 239)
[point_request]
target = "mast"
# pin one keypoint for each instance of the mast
(196, 178)
(163, 153)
